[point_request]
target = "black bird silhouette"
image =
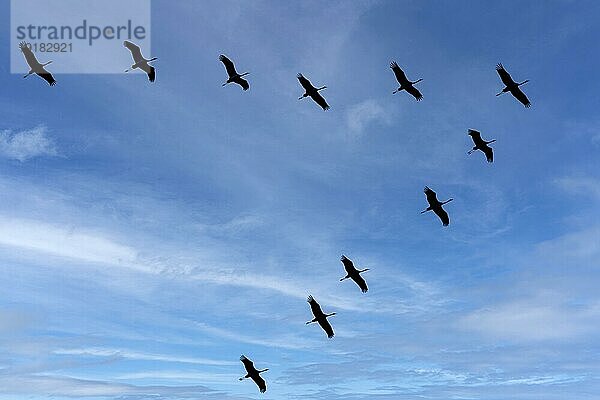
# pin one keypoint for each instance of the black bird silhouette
(511, 86)
(481, 144)
(405, 84)
(320, 317)
(35, 67)
(436, 206)
(254, 374)
(354, 274)
(234, 77)
(313, 92)
(139, 60)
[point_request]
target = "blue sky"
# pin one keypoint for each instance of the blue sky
(152, 233)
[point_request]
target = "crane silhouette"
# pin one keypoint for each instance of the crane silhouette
(511, 86)
(405, 84)
(35, 67)
(320, 316)
(354, 274)
(312, 92)
(436, 206)
(234, 77)
(254, 374)
(481, 144)
(139, 60)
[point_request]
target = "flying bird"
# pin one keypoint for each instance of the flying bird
(254, 374)
(354, 274)
(313, 92)
(35, 67)
(320, 317)
(481, 144)
(405, 84)
(512, 86)
(436, 206)
(234, 77)
(139, 60)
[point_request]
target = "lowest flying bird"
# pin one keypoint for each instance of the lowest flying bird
(482, 145)
(405, 84)
(35, 67)
(312, 92)
(234, 77)
(436, 206)
(354, 274)
(320, 317)
(254, 374)
(139, 60)
(511, 86)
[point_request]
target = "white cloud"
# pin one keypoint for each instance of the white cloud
(360, 115)
(64, 242)
(533, 319)
(134, 355)
(26, 144)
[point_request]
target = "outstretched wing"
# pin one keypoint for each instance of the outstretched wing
(135, 50)
(431, 196)
(360, 282)
(400, 75)
(249, 365)
(505, 76)
(348, 264)
(519, 95)
(228, 65)
(47, 76)
(260, 382)
(326, 327)
(242, 82)
(149, 70)
(320, 100)
(314, 306)
(29, 56)
(475, 135)
(443, 215)
(415, 92)
(305, 82)
(489, 153)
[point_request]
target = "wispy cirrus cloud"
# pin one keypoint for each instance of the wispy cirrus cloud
(26, 144)
(365, 113)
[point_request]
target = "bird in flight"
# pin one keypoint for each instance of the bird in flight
(481, 144)
(405, 84)
(320, 316)
(513, 87)
(35, 67)
(234, 77)
(139, 60)
(312, 92)
(254, 374)
(436, 206)
(354, 274)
